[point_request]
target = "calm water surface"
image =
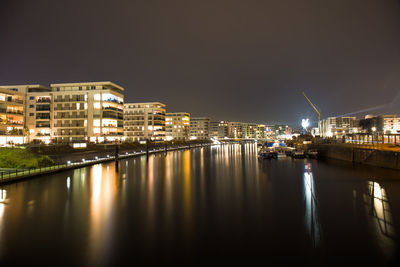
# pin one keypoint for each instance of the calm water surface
(213, 205)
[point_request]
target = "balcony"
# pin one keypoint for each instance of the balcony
(112, 108)
(113, 101)
(17, 101)
(43, 100)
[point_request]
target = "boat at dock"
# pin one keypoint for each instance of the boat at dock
(298, 154)
(267, 153)
(312, 154)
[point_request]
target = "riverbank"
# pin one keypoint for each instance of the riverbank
(22, 158)
(361, 155)
(63, 153)
(18, 175)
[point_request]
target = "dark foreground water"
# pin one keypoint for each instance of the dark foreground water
(214, 205)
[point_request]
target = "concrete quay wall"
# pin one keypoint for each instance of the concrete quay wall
(373, 157)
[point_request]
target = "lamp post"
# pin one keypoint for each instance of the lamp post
(373, 134)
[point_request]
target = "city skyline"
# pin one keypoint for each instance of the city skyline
(229, 61)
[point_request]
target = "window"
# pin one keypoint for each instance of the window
(31, 98)
(31, 114)
(80, 88)
(31, 106)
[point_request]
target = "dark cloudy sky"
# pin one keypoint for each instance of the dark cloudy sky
(244, 60)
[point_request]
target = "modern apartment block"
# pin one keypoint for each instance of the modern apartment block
(38, 116)
(235, 130)
(389, 124)
(199, 128)
(144, 121)
(219, 129)
(73, 112)
(177, 126)
(278, 131)
(339, 126)
(88, 112)
(11, 117)
(253, 131)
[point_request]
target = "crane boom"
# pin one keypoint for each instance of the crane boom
(319, 113)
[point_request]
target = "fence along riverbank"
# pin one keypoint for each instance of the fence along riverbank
(18, 175)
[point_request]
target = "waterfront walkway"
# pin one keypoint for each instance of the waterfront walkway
(17, 175)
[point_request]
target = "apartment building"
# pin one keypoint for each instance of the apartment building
(219, 129)
(253, 130)
(339, 126)
(199, 128)
(144, 121)
(11, 117)
(177, 125)
(235, 130)
(389, 124)
(90, 112)
(38, 111)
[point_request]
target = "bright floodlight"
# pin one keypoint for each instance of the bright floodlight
(305, 123)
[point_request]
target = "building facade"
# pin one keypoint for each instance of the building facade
(144, 121)
(199, 128)
(219, 129)
(90, 112)
(73, 112)
(339, 126)
(11, 117)
(177, 125)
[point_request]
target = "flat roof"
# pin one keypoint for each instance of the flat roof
(145, 103)
(8, 91)
(87, 84)
(26, 85)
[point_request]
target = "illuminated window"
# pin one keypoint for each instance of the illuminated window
(96, 130)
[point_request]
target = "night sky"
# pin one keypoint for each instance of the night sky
(245, 60)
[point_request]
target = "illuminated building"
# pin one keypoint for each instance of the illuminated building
(389, 124)
(38, 115)
(177, 125)
(199, 128)
(278, 131)
(11, 117)
(90, 112)
(219, 129)
(339, 126)
(235, 130)
(144, 121)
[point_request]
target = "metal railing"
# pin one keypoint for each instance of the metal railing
(16, 174)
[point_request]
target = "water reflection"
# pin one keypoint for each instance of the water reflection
(311, 212)
(103, 191)
(377, 205)
(195, 205)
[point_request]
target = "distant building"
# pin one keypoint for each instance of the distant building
(278, 131)
(253, 130)
(177, 125)
(389, 124)
(235, 130)
(219, 129)
(11, 117)
(339, 126)
(382, 124)
(144, 121)
(199, 128)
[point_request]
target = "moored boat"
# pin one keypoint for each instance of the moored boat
(298, 154)
(312, 154)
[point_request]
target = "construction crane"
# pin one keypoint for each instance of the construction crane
(315, 108)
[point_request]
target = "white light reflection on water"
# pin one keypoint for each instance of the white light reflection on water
(103, 191)
(377, 206)
(311, 216)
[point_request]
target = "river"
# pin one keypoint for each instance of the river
(210, 205)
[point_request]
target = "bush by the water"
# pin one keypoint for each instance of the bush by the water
(22, 158)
